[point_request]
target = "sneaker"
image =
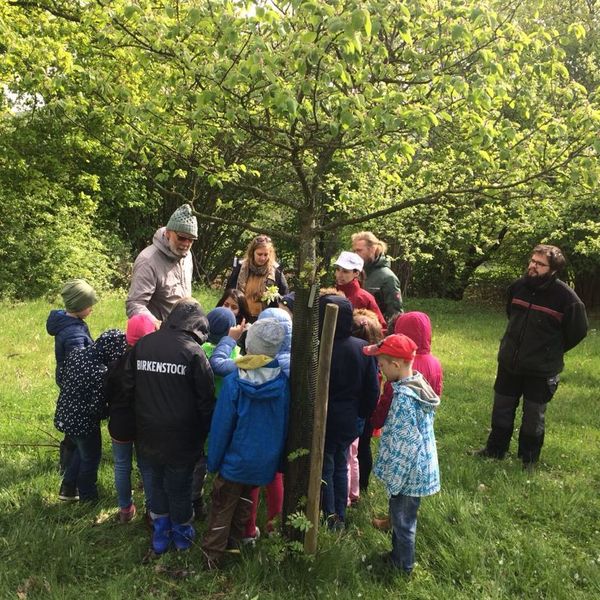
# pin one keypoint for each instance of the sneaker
(68, 492)
(209, 564)
(233, 546)
(335, 523)
(388, 561)
(381, 524)
(127, 514)
(183, 536)
(251, 541)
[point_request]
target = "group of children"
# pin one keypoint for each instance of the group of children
(212, 377)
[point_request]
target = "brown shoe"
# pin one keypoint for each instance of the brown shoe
(127, 514)
(381, 524)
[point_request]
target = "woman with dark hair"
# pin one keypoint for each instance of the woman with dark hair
(256, 273)
(236, 302)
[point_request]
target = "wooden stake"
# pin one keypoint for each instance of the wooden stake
(319, 425)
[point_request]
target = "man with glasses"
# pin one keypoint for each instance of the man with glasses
(162, 272)
(545, 319)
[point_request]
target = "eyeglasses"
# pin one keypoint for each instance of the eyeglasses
(182, 238)
(262, 239)
(537, 263)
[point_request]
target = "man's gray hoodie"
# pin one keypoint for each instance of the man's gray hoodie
(159, 280)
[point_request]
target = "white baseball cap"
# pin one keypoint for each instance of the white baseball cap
(350, 261)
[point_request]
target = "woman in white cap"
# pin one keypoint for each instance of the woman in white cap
(348, 267)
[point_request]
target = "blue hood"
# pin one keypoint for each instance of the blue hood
(262, 384)
(343, 326)
(59, 320)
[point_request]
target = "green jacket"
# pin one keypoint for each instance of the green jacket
(209, 348)
(384, 285)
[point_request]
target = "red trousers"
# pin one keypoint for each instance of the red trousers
(274, 494)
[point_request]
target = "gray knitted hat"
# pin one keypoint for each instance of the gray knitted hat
(183, 221)
(265, 337)
(78, 295)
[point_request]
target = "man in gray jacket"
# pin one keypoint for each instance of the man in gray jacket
(162, 272)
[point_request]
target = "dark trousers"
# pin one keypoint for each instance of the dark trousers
(230, 509)
(172, 492)
(365, 456)
(82, 470)
(334, 491)
(508, 390)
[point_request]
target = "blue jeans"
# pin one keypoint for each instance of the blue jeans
(82, 470)
(122, 458)
(335, 478)
(403, 516)
(172, 492)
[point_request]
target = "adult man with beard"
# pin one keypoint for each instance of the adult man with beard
(162, 272)
(545, 319)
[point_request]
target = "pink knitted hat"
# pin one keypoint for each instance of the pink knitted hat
(138, 326)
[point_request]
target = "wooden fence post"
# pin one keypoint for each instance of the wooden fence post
(319, 425)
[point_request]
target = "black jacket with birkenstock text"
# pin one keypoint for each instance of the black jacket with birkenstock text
(174, 393)
(544, 322)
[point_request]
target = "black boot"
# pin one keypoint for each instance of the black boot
(530, 447)
(497, 443)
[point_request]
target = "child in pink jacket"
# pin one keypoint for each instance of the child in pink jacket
(417, 326)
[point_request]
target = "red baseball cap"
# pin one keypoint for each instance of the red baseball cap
(397, 345)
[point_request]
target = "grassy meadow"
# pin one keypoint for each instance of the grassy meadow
(493, 532)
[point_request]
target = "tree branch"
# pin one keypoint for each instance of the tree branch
(246, 225)
(51, 8)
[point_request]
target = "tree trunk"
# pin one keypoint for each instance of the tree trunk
(303, 379)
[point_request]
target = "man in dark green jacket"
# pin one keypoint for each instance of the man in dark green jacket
(546, 318)
(381, 281)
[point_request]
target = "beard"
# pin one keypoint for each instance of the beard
(180, 252)
(536, 281)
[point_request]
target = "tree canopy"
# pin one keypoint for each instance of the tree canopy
(301, 118)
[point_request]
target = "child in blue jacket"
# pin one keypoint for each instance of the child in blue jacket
(247, 436)
(407, 463)
(70, 331)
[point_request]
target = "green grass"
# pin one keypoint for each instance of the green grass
(493, 532)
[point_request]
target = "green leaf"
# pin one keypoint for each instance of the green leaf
(194, 16)
(130, 11)
(308, 37)
(358, 19)
(368, 26)
(459, 33)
